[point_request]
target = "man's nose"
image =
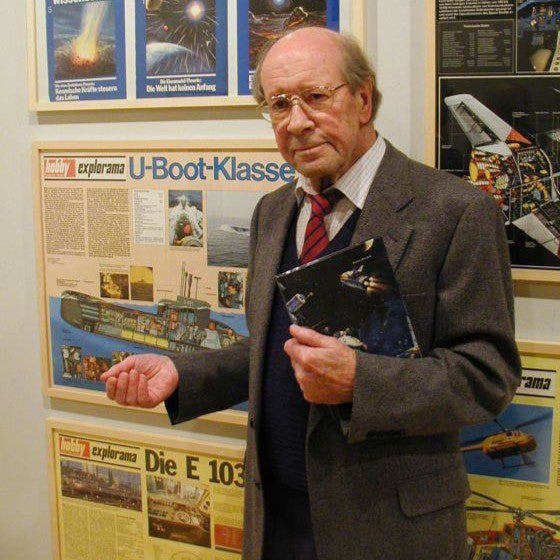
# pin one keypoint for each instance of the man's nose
(298, 119)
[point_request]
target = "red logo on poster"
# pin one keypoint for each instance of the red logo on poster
(75, 447)
(59, 168)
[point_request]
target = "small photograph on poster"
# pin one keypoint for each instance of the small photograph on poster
(113, 285)
(86, 50)
(229, 220)
(181, 48)
(259, 21)
(71, 362)
(178, 511)
(185, 218)
(103, 485)
(94, 366)
(503, 135)
(231, 290)
(142, 283)
(515, 445)
(538, 36)
(118, 356)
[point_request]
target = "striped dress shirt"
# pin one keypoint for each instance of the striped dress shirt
(354, 185)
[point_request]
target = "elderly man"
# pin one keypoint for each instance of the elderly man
(349, 454)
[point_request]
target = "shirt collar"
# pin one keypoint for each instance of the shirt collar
(355, 183)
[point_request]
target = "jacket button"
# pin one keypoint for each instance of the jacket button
(252, 421)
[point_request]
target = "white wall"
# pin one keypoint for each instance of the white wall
(396, 33)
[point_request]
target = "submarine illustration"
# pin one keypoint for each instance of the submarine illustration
(183, 325)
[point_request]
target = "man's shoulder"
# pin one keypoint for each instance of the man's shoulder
(279, 195)
(430, 184)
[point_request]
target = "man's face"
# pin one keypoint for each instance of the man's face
(319, 145)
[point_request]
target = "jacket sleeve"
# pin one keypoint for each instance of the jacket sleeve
(213, 380)
(472, 370)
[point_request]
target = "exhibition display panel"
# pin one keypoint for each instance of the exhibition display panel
(143, 247)
(119, 54)
(495, 117)
(127, 495)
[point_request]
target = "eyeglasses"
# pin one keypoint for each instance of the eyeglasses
(315, 100)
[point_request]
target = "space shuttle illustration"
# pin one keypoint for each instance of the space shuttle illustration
(513, 169)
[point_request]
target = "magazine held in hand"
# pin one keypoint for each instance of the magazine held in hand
(352, 295)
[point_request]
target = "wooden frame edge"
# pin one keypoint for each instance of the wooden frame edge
(32, 81)
(51, 483)
(358, 21)
(40, 269)
(148, 103)
(101, 145)
(535, 275)
(228, 416)
(430, 87)
(142, 437)
(539, 347)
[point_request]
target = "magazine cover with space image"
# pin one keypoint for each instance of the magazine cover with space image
(352, 295)
(86, 50)
(259, 21)
(181, 48)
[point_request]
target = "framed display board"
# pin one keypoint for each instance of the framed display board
(108, 54)
(495, 99)
(514, 467)
(143, 247)
(128, 495)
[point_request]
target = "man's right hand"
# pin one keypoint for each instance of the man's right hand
(143, 380)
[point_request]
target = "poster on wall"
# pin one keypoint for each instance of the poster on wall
(85, 50)
(144, 248)
(258, 21)
(498, 114)
(108, 54)
(181, 48)
(513, 466)
(128, 495)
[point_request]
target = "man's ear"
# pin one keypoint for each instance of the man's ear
(365, 94)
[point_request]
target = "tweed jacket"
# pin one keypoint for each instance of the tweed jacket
(393, 485)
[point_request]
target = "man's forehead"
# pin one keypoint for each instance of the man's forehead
(312, 39)
(307, 59)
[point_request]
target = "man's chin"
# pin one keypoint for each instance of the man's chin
(313, 170)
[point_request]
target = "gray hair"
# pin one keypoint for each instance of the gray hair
(356, 67)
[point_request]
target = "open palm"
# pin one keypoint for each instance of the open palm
(143, 380)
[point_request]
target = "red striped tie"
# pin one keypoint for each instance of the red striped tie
(316, 238)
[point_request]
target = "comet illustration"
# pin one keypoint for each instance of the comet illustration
(84, 40)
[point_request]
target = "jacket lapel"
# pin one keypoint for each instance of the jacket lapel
(271, 240)
(389, 193)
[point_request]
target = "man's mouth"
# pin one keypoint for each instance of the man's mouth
(307, 150)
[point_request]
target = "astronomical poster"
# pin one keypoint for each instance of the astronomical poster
(181, 48)
(514, 472)
(261, 20)
(126, 495)
(86, 49)
(145, 250)
(498, 114)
